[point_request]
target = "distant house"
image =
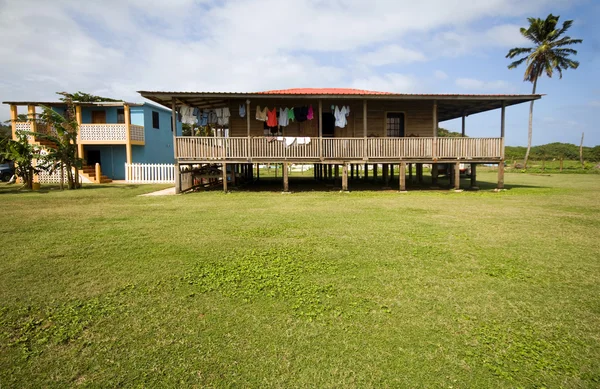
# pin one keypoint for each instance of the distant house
(111, 134)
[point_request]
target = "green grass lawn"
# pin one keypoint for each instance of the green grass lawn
(102, 288)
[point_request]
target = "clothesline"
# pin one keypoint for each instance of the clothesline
(298, 114)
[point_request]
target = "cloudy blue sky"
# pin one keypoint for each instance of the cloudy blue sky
(114, 48)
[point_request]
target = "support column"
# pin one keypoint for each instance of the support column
(224, 172)
(434, 174)
(463, 125)
(345, 177)
(410, 174)
(321, 129)
(365, 152)
(385, 172)
(375, 171)
(285, 177)
(337, 172)
(98, 172)
(127, 133)
(419, 169)
(248, 119)
(501, 175)
(402, 176)
(474, 176)
(177, 170)
(330, 171)
(457, 176)
(233, 175)
(352, 171)
(14, 114)
(366, 171)
(392, 172)
(79, 144)
(257, 171)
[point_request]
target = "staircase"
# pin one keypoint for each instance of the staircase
(89, 172)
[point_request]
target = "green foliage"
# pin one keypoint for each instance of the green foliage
(24, 155)
(82, 97)
(566, 151)
(442, 132)
(550, 51)
(5, 132)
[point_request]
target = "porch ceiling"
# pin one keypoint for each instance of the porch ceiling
(450, 106)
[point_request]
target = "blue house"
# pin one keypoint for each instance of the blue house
(112, 134)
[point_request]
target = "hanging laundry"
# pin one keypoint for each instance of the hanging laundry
(283, 117)
(340, 117)
(291, 116)
(310, 114)
(287, 140)
(303, 140)
(242, 110)
(301, 113)
(187, 116)
(347, 110)
(261, 114)
(203, 118)
(272, 118)
(222, 116)
(212, 117)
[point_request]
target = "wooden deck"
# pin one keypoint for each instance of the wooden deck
(323, 150)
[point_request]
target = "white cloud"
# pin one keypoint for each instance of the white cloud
(391, 82)
(116, 47)
(479, 85)
(440, 75)
(391, 54)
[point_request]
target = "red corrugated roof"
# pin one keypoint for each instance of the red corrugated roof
(322, 91)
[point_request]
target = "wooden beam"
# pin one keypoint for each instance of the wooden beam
(402, 176)
(78, 119)
(248, 117)
(224, 172)
(501, 175)
(457, 176)
(435, 118)
(474, 176)
(345, 177)
(502, 119)
(286, 187)
(365, 149)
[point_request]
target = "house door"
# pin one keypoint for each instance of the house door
(93, 157)
(98, 117)
(395, 124)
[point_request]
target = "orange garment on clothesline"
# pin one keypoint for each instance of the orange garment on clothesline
(272, 118)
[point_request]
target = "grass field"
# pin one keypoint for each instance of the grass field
(102, 288)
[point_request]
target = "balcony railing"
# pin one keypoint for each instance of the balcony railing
(97, 133)
(262, 148)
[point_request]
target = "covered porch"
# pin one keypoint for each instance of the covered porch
(381, 129)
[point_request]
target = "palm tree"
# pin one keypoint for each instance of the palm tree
(550, 52)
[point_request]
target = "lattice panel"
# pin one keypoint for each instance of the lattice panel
(102, 132)
(24, 126)
(47, 178)
(137, 132)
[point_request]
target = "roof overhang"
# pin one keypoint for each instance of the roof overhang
(81, 104)
(450, 106)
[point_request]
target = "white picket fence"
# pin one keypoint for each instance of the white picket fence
(150, 173)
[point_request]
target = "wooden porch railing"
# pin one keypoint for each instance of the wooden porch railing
(239, 148)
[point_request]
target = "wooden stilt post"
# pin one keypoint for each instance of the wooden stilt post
(434, 174)
(330, 171)
(174, 125)
(457, 176)
(410, 174)
(14, 114)
(257, 171)
(337, 172)
(501, 175)
(420, 173)
(375, 171)
(345, 177)
(285, 177)
(391, 172)
(474, 176)
(402, 176)
(98, 172)
(385, 174)
(224, 168)
(233, 171)
(366, 175)
(352, 171)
